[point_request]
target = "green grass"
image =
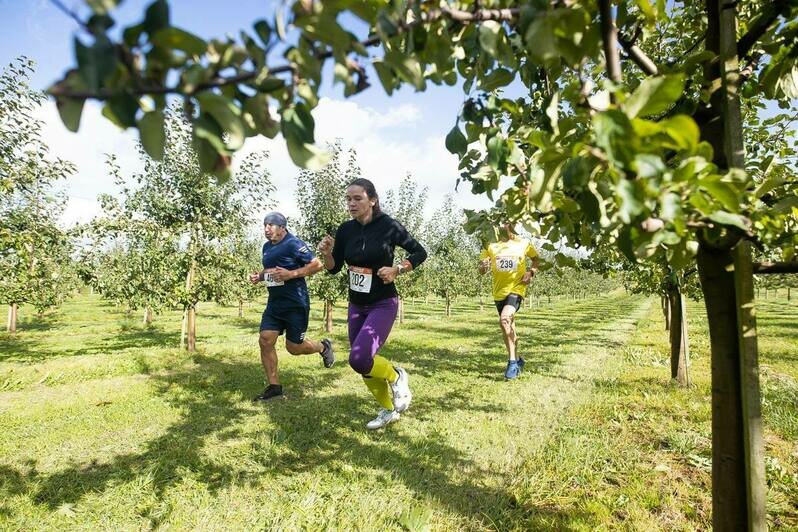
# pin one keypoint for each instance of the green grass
(104, 423)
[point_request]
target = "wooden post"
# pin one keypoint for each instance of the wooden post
(191, 344)
(328, 321)
(240, 308)
(11, 326)
(756, 487)
(678, 336)
(147, 316)
(184, 328)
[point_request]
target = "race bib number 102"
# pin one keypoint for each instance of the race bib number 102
(506, 264)
(360, 279)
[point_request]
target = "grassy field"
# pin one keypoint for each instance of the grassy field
(104, 424)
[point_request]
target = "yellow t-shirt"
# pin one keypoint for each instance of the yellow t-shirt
(508, 266)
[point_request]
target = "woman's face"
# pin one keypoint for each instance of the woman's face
(357, 201)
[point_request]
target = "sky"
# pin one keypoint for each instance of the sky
(392, 136)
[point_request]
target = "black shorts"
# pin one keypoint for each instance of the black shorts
(292, 321)
(514, 300)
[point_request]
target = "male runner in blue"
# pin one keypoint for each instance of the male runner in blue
(287, 260)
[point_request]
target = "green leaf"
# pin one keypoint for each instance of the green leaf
(307, 155)
(258, 117)
(654, 95)
(786, 205)
(498, 78)
(177, 39)
(95, 62)
(206, 128)
(647, 10)
(615, 135)
(576, 173)
(132, 35)
(631, 200)
(683, 131)
(407, 68)
(226, 114)
(151, 133)
(297, 126)
(264, 32)
(99, 24)
(156, 17)
(727, 218)
(540, 40)
(385, 74)
(121, 110)
(723, 192)
(70, 110)
(648, 165)
(489, 34)
(497, 152)
(456, 142)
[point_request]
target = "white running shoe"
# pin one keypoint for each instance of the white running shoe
(401, 391)
(384, 417)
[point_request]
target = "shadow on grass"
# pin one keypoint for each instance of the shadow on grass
(319, 435)
(313, 434)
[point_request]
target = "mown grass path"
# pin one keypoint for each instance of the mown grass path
(104, 424)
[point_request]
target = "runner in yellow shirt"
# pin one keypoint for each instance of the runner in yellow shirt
(507, 262)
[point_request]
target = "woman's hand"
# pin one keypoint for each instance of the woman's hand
(326, 244)
(388, 273)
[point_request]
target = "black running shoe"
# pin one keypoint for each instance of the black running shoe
(327, 354)
(272, 391)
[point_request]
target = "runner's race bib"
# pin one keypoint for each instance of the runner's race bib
(360, 279)
(506, 264)
(271, 281)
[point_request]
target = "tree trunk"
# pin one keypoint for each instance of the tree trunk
(482, 303)
(728, 457)
(189, 311)
(448, 307)
(184, 328)
(147, 315)
(240, 308)
(11, 325)
(401, 313)
(191, 344)
(678, 336)
(737, 488)
(666, 311)
(788, 293)
(328, 320)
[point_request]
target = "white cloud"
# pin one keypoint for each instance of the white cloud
(87, 149)
(390, 143)
(385, 156)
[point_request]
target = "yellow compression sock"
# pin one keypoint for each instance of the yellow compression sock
(383, 369)
(379, 389)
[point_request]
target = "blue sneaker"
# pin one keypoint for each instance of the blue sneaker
(513, 370)
(521, 363)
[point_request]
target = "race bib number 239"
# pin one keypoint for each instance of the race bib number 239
(506, 264)
(360, 279)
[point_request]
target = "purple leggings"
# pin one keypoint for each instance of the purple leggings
(369, 326)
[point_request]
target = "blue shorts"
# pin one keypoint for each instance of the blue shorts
(294, 321)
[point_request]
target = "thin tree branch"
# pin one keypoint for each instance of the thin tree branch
(771, 12)
(609, 34)
(71, 14)
(638, 56)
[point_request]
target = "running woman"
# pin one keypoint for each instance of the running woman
(287, 260)
(507, 261)
(366, 243)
